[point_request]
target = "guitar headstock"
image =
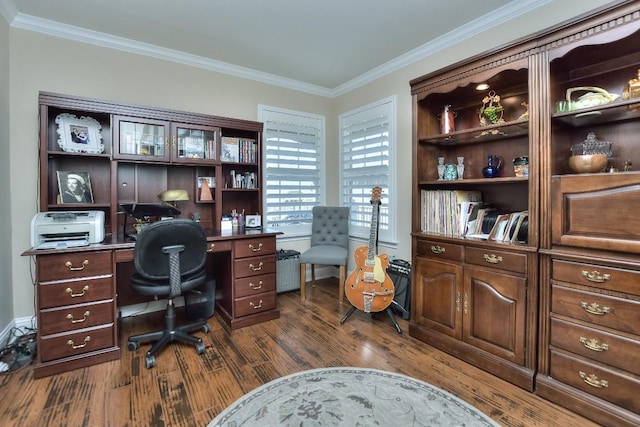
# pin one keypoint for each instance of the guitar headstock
(376, 194)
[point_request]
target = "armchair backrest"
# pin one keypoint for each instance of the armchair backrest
(152, 262)
(330, 226)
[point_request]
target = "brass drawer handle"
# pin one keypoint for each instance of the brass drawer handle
(493, 259)
(438, 249)
(255, 307)
(254, 286)
(594, 308)
(70, 266)
(211, 246)
(595, 276)
(75, 347)
(458, 301)
(84, 291)
(465, 305)
(593, 380)
(254, 268)
(254, 249)
(592, 344)
(84, 317)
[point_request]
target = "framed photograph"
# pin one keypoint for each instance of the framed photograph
(79, 135)
(74, 187)
(230, 149)
(210, 181)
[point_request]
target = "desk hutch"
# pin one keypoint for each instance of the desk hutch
(556, 310)
(134, 153)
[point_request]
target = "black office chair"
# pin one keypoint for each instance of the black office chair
(170, 259)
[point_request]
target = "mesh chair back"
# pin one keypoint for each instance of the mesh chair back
(330, 226)
(150, 260)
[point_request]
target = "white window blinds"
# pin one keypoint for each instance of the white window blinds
(293, 168)
(367, 136)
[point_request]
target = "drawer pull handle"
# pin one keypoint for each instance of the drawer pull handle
(492, 258)
(70, 266)
(254, 286)
(254, 268)
(254, 249)
(465, 305)
(84, 317)
(458, 301)
(84, 291)
(255, 307)
(75, 347)
(592, 344)
(594, 308)
(595, 276)
(211, 246)
(438, 249)
(593, 380)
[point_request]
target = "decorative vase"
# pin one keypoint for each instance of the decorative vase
(492, 169)
(447, 120)
(440, 168)
(450, 172)
(460, 167)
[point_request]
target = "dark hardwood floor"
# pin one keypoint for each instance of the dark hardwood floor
(185, 389)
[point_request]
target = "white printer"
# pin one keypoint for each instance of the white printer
(64, 229)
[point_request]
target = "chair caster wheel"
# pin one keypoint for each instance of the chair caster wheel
(133, 346)
(150, 362)
(200, 348)
(206, 328)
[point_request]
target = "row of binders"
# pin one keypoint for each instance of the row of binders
(463, 213)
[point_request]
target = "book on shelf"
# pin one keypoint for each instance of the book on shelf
(229, 149)
(446, 211)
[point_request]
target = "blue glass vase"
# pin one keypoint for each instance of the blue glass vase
(492, 169)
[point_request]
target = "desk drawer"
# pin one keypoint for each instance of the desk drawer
(617, 313)
(75, 317)
(254, 266)
(253, 285)
(73, 265)
(510, 261)
(615, 350)
(76, 343)
(254, 304)
(254, 247)
(607, 384)
(75, 292)
(219, 246)
(433, 249)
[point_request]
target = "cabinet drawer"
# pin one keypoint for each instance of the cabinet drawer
(255, 285)
(75, 292)
(254, 304)
(503, 260)
(73, 265)
(616, 313)
(615, 279)
(75, 317)
(254, 247)
(254, 266)
(615, 350)
(428, 248)
(76, 343)
(597, 380)
(219, 246)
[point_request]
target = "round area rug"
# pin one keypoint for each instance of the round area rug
(349, 397)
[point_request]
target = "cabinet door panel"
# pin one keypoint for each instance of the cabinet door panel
(438, 296)
(494, 312)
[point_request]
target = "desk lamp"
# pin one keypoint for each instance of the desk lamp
(172, 197)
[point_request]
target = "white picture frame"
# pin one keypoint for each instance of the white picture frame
(79, 135)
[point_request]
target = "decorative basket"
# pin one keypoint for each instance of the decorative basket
(596, 96)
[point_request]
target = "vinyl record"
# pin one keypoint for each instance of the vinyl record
(489, 221)
(523, 233)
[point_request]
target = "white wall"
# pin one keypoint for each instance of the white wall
(41, 63)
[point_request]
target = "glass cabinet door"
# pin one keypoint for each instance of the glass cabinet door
(137, 138)
(194, 143)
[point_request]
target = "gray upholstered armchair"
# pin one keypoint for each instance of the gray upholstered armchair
(329, 244)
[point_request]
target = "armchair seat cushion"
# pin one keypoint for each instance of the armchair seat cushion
(325, 255)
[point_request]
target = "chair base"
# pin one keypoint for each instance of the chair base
(303, 280)
(169, 334)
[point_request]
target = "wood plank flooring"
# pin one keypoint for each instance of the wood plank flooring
(185, 389)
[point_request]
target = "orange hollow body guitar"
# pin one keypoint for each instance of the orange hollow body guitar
(368, 287)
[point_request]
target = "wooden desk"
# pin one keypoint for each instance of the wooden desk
(79, 290)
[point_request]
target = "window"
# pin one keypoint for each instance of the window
(293, 168)
(367, 138)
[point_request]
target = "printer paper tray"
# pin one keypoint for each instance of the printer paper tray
(61, 244)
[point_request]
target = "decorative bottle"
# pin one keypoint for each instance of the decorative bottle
(492, 169)
(460, 166)
(440, 168)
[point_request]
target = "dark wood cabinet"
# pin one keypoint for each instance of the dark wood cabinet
(561, 307)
